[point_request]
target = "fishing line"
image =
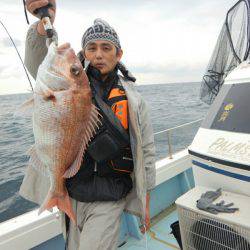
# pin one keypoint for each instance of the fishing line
(25, 11)
(18, 55)
(145, 237)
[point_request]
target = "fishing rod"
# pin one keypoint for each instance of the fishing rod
(18, 55)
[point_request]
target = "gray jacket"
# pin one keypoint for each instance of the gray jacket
(35, 185)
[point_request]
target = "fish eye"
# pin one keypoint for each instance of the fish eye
(75, 70)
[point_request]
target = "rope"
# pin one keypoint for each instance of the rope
(153, 236)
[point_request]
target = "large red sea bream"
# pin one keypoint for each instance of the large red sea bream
(64, 120)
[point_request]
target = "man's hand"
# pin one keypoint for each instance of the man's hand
(32, 5)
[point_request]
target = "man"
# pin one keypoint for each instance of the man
(102, 188)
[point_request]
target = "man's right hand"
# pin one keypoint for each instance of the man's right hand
(32, 5)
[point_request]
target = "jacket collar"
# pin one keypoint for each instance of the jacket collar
(102, 88)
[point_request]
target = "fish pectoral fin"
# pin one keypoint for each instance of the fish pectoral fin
(25, 109)
(35, 161)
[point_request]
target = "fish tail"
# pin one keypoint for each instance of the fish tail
(62, 202)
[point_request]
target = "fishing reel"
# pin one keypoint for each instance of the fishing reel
(43, 14)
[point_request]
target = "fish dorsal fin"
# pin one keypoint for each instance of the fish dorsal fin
(26, 109)
(89, 130)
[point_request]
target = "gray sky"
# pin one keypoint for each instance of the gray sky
(163, 40)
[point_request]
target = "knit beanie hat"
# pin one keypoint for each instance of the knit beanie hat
(101, 30)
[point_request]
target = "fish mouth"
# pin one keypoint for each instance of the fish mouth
(66, 50)
(62, 48)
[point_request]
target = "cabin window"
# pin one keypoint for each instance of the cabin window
(231, 110)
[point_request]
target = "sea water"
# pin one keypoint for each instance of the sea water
(170, 105)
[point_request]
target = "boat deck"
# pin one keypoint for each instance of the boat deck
(158, 237)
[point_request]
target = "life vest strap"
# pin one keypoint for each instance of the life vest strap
(116, 99)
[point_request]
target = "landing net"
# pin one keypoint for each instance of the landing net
(231, 49)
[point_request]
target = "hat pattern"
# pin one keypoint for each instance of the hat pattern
(101, 30)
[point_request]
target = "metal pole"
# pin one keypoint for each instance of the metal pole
(169, 145)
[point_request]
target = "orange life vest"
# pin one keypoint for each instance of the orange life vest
(119, 104)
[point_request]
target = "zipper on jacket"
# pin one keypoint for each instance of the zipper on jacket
(127, 158)
(95, 168)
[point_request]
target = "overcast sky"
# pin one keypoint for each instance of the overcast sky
(163, 40)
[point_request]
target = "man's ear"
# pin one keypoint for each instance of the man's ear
(119, 54)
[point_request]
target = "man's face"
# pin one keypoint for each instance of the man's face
(102, 55)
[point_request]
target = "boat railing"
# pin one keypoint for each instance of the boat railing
(170, 132)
